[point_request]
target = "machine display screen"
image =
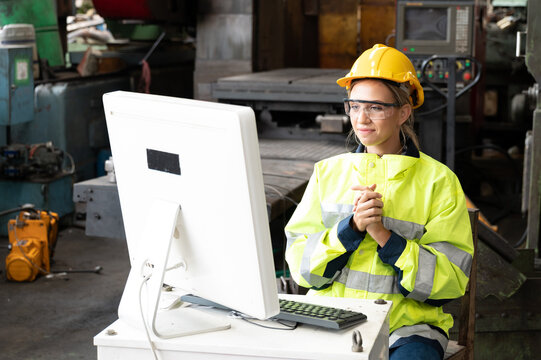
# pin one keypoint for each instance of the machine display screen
(426, 23)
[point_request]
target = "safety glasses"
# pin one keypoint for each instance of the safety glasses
(375, 110)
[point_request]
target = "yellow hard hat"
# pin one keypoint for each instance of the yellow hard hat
(384, 62)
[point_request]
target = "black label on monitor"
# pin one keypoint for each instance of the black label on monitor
(163, 161)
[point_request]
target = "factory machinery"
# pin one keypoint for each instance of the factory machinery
(47, 76)
(52, 126)
(300, 111)
(32, 239)
(38, 173)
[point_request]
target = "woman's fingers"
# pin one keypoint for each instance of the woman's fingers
(367, 212)
(367, 206)
(363, 187)
(366, 195)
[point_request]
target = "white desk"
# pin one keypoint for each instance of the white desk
(250, 341)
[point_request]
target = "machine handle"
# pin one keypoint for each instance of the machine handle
(518, 50)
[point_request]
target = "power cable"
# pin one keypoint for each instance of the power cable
(250, 320)
(522, 239)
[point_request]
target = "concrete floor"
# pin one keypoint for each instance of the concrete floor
(58, 318)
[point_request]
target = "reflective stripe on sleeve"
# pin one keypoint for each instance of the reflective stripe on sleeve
(291, 236)
(315, 280)
(360, 280)
(455, 255)
(424, 280)
(406, 229)
(333, 213)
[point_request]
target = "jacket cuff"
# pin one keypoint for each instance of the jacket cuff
(392, 250)
(349, 237)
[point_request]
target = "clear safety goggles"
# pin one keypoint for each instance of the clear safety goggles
(375, 110)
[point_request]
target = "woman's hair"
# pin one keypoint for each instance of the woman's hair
(401, 97)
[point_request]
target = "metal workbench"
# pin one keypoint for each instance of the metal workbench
(289, 89)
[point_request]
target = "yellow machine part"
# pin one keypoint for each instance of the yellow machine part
(24, 261)
(32, 237)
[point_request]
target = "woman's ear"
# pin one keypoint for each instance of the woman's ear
(404, 113)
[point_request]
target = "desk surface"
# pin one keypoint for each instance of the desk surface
(244, 339)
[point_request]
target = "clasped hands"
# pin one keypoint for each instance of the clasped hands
(367, 212)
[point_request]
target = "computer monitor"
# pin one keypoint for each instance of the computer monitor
(434, 27)
(193, 203)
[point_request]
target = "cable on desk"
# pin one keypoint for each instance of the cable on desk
(249, 320)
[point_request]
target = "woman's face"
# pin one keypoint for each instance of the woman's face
(381, 134)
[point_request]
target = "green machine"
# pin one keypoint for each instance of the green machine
(16, 76)
(42, 15)
(29, 173)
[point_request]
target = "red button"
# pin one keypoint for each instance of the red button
(466, 76)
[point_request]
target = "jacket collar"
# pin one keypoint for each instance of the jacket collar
(395, 165)
(409, 149)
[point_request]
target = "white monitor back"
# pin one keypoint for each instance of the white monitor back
(221, 232)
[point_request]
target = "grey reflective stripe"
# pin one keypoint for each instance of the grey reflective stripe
(455, 255)
(291, 236)
(360, 280)
(315, 280)
(424, 280)
(422, 330)
(333, 213)
(406, 229)
(342, 279)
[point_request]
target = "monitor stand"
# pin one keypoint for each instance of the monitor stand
(145, 281)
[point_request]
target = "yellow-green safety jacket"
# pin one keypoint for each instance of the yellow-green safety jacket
(426, 261)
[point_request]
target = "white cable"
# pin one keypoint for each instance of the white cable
(151, 343)
(72, 162)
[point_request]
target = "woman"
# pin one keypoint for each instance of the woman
(386, 221)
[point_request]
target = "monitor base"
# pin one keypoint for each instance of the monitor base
(187, 321)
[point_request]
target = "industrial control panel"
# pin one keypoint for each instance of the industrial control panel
(441, 28)
(437, 70)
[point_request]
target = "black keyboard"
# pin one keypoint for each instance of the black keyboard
(322, 316)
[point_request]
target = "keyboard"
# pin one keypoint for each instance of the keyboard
(304, 313)
(323, 316)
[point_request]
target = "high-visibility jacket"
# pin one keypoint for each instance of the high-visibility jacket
(426, 261)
